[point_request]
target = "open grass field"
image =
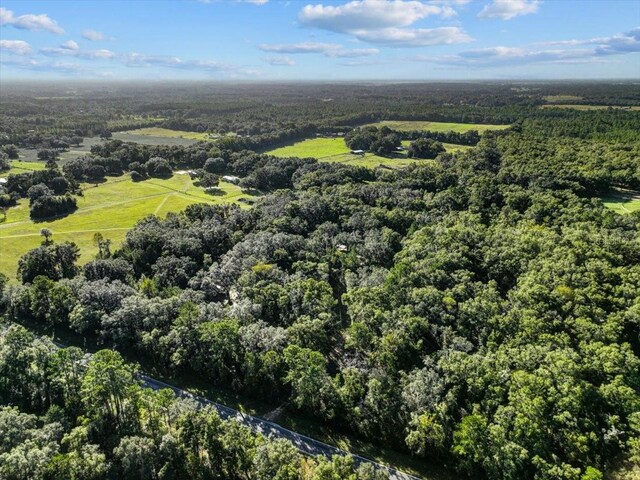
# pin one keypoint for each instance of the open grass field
(110, 208)
(623, 201)
(19, 166)
(334, 150)
(590, 107)
(561, 98)
(31, 155)
(163, 136)
(313, 147)
(144, 136)
(438, 126)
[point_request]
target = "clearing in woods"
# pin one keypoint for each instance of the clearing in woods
(622, 201)
(111, 208)
(437, 126)
(590, 107)
(163, 136)
(334, 150)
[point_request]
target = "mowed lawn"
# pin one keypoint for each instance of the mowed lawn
(110, 208)
(623, 201)
(438, 126)
(334, 150)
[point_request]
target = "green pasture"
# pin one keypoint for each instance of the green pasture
(334, 150)
(19, 166)
(561, 98)
(111, 208)
(162, 136)
(437, 126)
(313, 147)
(31, 154)
(590, 107)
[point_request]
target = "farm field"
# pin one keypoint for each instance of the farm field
(590, 107)
(31, 155)
(561, 98)
(111, 208)
(623, 201)
(313, 147)
(438, 126)
(163, 136)
(334, 150)
(19, 166)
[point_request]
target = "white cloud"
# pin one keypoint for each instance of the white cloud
(627, 42)
(386, 21)
(508, 9)
(70, 45)
(101, 54)
(306, 47)
(93, 35)
(369, 14)
(502, 56)
(17, 47)
(280, 61)
(327, 49)
(355, 53)
(30, 22)
(415, 37)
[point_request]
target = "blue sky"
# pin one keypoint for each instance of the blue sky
(324, 40)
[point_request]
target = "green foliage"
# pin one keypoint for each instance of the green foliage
(100, 424)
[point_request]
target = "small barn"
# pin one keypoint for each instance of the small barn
(357, 152)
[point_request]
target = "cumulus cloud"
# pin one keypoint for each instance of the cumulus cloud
(280, 61)
(93, 35)
(327, 49)
(17, 47)
(41, 22)
(508, 9)
(70, 45)
(386, 21)
(500, 56)
(369, 14)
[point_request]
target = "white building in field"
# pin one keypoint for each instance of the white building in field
(231, 179)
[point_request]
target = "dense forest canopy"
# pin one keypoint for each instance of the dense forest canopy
(480, 310)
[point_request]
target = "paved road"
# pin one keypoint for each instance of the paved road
(306, 445)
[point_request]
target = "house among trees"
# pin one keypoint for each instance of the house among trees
(357, 152)
(231, 179)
